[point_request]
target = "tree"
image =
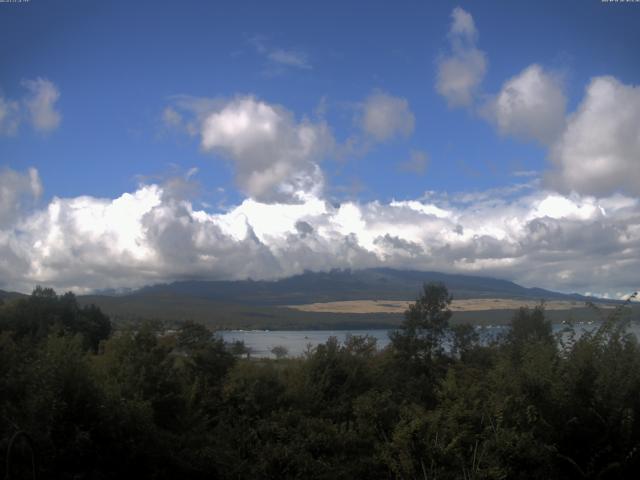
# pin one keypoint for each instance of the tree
(238, 349)
(280, 351)
(193, 336)
(417, 352)
(426, 322)
(530, 326)
(464, 339)
(44, 312)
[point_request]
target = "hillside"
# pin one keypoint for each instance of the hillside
(342, 285)
(277, 304)
(5, 296)
(316, 300)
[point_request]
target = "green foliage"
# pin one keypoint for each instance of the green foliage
(530, 326)
(44, 312)
(425, 325)
(437, 403)
(418, 355)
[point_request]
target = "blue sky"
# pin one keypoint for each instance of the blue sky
(125, 95)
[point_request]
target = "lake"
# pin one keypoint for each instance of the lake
(297, 341)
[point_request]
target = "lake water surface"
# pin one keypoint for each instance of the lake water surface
(298, 341)
(295, 341)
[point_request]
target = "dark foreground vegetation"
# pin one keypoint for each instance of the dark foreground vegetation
(143, 403)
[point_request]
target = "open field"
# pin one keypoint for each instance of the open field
(464, 305)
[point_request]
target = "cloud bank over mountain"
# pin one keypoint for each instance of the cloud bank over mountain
(534, 236)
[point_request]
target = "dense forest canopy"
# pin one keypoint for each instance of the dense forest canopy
(91, 401)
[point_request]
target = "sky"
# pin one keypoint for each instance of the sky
(149, 141)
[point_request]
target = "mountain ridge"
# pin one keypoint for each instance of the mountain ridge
(340, 285)
(270, 304)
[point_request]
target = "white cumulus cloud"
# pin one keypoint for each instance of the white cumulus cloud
(9, 116)
(40, 104)
(463, 25)
(17, 192)
(385, 116)
(461, 72)
(599, 151)
(274, 155)
(37, 106)
(531, 105)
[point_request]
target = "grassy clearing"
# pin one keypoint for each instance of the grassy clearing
(464, 305)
